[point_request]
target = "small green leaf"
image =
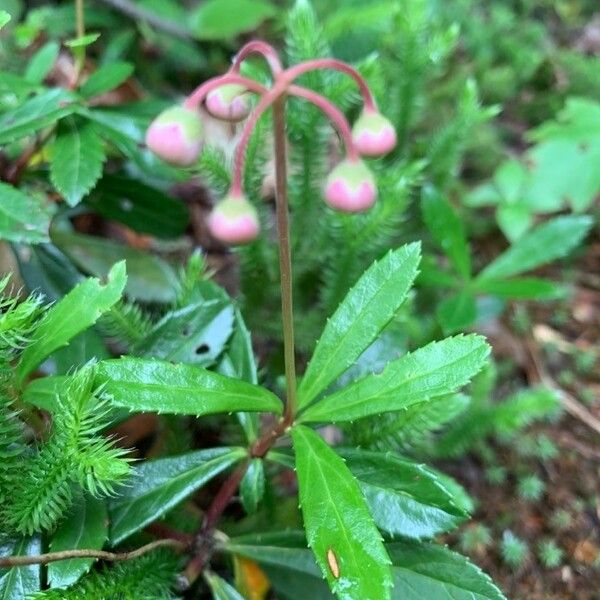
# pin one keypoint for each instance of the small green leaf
(366, 310)
(23, 218)
(41, 63)
(83, 41)
(252, 487)
(405, 498)
(35, 114)
(19, 582)
(457, 312)
(86, 526)
(220, 589)
(339, 528)
(435, 370)
(541, 245)
(4, 18)
(157, 486)
(214, 19)
(77, 156)
(106, 78)
(427, 571)
(157, 386)
(77, 311)
(514, 220)
(526, 288)
(446, 229)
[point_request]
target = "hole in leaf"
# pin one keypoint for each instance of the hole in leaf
(202, 349)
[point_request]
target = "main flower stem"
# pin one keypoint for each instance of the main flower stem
(285, 259)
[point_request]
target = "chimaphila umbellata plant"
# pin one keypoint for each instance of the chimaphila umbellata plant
(366, 514)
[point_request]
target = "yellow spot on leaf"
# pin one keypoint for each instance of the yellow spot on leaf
(333, 563)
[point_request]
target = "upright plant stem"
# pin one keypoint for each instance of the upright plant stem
(285, 259)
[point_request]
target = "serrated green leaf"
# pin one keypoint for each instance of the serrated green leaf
(77, 311)
(35, 114)
(446, 229)
(158, 386)
(208, 22)
(366, 310)
(195, 334)
(149, 279)
(221, 590)
(457, 312)
(106, 78)
(18, 582)
(435, 370)
(77, 156)
(41, 63)
(156, 486)
(252, 486)
(541, 245)
(424, 571)
(23, 218)
(526, 288)
(339, 528)
(86, 526)
(405, 498)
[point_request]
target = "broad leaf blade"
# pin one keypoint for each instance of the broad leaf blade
(158, 386)
(23, 218)
(437, 369)
(86, 526)
(106, 78)
(523, 288)
(77, 311)
(447, 230)
(156, 486)
(77, 156)
(339, 528)
(366, 310)
(19, 582)
(405, 498)
(41, 63)
(458, 312)
(546, 243)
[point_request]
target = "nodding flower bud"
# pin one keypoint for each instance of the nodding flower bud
(234, 220)
(229, 102)
(350, 187)
(373, 134)
(176, 136)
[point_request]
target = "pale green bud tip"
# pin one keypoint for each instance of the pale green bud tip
(350, 187)
(176, 136)
(234, 221)
(373, 134)
(229, 102)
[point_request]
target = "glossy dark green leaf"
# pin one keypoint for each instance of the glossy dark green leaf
(147, 385)
(18, 582)
(23, 218)
(523, 288)
(252, 486)
(366, 310)
(142, 208)
(149, 279)
(76, 159)
(41, 63)
(457, 312)
(435, 370)
(405, 498)
(35, 114)
(156, 486)
(541, 245)
(195, 334)
(427, 571)
(339, 527)
(86, 526)
(446, 229)
(106, 78)
(221, 590)
(77, 311)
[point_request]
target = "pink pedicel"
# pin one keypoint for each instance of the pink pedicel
(228, 102)
(176, 136)
(373, 134)
(234, 221)
(350, 187)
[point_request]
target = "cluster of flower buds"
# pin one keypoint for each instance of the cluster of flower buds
(176, 136)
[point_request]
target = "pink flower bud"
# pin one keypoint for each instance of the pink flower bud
(229, 102)
(350, 187)
(373, 134)
(234, 220)
(176, 136)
